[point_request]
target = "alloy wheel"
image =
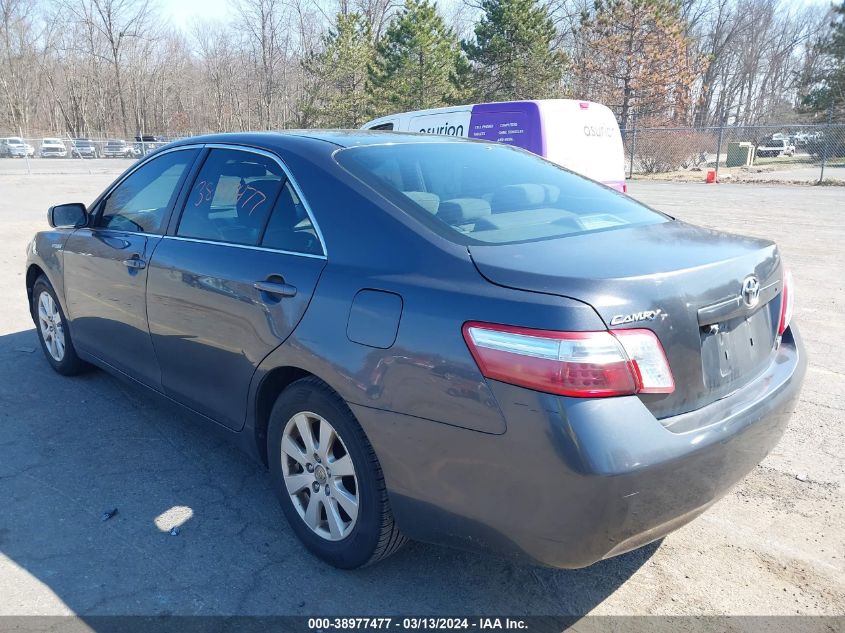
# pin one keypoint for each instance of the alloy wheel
(319, 476)
(50, 325)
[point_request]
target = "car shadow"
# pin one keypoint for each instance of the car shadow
(73, 450)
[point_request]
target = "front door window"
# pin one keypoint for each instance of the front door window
(140, 203)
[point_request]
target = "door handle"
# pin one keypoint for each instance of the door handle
(275, 288)
(135, 262)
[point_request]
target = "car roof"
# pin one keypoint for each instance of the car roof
(337, 138)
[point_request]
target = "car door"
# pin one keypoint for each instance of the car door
(231, 280)
(105, 266)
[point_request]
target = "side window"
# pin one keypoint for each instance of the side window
(231, 198)
(383, 126)
(290, 227)
(140, 202)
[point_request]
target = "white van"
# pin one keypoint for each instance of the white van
(580, 135)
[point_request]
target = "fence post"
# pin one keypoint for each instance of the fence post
(826, 141)
(633, 144)
(719, 144)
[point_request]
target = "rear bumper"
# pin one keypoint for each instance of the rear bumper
(573, 481)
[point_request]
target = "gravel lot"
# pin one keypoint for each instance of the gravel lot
(72, 448)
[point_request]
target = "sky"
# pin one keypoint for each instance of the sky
(184, 12)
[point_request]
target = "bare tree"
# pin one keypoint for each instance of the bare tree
(107, 67)
(16, 39)
(266, 24)
(217, 56)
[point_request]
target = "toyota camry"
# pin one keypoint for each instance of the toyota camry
(430, 338)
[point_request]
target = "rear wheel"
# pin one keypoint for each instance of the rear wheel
(328, 479)
(53, 332)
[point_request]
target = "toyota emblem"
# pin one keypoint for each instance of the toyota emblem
(750, 291)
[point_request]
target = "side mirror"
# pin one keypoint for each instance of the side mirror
(68, 216)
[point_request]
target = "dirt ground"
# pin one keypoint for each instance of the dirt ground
(72, 448)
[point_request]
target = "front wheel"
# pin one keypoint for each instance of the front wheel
(53, 332)
(328, 478)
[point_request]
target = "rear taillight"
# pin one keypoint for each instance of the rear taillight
(787, 301)
(648, 359)
(581, 364)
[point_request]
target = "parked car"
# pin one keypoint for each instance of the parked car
(147, 144)
(775, 147)
(119, 149)
(84, 148)
(580, 135)
(828, 145)
(16, 147)
(802, 139)
(53, 148)
(475, 348)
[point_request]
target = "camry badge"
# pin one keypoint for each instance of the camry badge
(645, 315)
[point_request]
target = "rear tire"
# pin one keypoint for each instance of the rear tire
(53, 331)
(311, 431)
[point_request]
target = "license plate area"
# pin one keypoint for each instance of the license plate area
(736, 350)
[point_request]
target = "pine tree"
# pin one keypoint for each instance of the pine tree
(513, 53)
(637, 54)
(825, 85)
(340, 95)
(418, 61)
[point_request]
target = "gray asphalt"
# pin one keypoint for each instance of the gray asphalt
(71, 449)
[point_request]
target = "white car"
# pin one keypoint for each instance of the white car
(117, 148)
(16, 147)
(53, 148)
(775, 147)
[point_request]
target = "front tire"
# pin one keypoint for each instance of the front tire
(328, 478)
(53, 331)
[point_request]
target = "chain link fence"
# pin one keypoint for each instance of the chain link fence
(13, 146)
(769, 153)
(60, 155)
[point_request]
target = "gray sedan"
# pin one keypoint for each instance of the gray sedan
(430, 338)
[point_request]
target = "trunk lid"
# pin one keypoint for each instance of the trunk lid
(683, 282)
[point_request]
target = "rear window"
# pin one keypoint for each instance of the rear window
(484, 193)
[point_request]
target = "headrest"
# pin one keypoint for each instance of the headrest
(257, 204)
(516, 197)
(428, 201)
(459, 211)
(552, 193)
